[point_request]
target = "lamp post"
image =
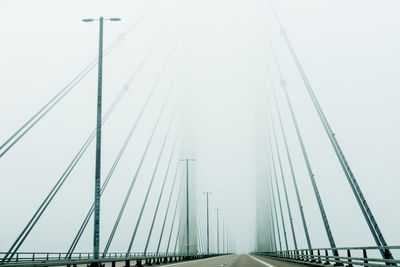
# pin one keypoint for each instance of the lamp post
(223, 236)
(217, 230)
(208, 224)
(187, 203)
(96, 234)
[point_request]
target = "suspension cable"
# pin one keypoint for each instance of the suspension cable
(274, 203)
(304, 151)
(150, 185)
(270, 219)
(289, 158)
(160, 196)
(30, 123)
(370, 219)
(168, 206)
(76, 159)
(179, 230)
(200, 232)
(127, 196)
(173, 217)
(278, 192)
(116, 161)
(43, 206)
(283, 181)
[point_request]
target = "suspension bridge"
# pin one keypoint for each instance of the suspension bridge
(168, 225)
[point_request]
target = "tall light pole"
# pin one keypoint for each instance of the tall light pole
(223, 235)
(217, 230)
(208, 224)
(187, 203)
(96, 233)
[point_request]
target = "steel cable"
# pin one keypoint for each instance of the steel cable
(160, 195)
(76, 159)
(168, 206)
(366, 211)
(16, 136)
(116, 161)
(150, 185)
(173, 218)
(127, 196)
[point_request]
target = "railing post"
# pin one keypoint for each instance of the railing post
(326, 257)
(365, 256)
(319, 256)
(312, 255)
(336, 257)
(349, 261)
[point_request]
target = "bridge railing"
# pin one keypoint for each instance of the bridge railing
(86, 257)
(347, 256)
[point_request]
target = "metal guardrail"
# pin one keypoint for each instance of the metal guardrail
(23, 259)
(346, 256)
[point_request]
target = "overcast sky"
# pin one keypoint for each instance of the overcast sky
(222, 64)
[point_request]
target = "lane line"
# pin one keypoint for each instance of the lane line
(186, 262)
(267, 264)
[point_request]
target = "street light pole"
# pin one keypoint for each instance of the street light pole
(208, 224)
(217, 230)
(96, 237)
(187, 203)
(223, 235)
(96, 232)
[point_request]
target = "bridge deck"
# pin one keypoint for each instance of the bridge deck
(232, 261)
(237, 261)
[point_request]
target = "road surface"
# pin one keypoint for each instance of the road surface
(235, 261)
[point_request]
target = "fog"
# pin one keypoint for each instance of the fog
(219, 73)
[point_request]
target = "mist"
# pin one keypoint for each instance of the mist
(213, 62)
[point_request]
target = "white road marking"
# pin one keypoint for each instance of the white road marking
(186, 262)
(267, 264)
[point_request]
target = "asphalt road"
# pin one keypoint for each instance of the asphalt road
(235, 261)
